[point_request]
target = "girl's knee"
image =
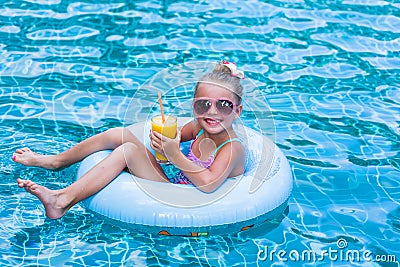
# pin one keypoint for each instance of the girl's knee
(113, 132)
(129, 149)
(129, 137)
(114, 135)
(121, 135)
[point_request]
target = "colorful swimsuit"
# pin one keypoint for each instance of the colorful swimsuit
(180, 178)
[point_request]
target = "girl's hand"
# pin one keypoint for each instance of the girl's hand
(164, 145)
(155, 142)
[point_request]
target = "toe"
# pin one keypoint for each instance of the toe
(34, 186)
(21, 183)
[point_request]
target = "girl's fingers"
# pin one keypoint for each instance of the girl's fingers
(161, 137)
(154, 139)
(155, 147)
(156, 135)
(178, 136)
(155, 143)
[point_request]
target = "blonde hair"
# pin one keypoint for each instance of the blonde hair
(222, 75)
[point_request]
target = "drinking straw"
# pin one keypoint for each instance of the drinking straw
(161, 108)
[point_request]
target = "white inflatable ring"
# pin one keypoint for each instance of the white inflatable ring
(260, 194)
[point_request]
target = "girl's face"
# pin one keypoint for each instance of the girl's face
(215, 108)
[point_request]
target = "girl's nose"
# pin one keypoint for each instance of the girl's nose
(213, 110)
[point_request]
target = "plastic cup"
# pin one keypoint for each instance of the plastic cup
(168, 129)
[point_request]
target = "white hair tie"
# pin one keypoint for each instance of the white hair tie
(234, 71)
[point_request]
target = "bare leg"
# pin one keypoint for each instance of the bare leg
(109, 139)
(139, 160)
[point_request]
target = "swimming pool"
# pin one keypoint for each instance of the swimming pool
(329, 71)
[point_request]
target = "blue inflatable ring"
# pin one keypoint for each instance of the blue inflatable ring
(240, 203)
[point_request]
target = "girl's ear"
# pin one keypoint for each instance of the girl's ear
(238, 111)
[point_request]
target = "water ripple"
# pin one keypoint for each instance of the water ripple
(359, 44)
(44, 2)
(74, 9)
(383, 23)
(299, 56)
(333, 70)
(10, 29)
(68, 34)
(384, 63)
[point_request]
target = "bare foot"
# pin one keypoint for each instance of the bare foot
(46, 196)
(27, 157)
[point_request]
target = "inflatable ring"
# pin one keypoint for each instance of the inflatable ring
(240, 203)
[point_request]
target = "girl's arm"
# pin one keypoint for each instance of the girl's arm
(207, 180)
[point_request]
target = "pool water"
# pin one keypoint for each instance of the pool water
(328, 74)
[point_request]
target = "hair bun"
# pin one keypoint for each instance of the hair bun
(226, 75)
(229, 68)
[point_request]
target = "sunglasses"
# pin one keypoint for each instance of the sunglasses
(202, 104)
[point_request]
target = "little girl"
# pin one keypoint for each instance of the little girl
(215, 154)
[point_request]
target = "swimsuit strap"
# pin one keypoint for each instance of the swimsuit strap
(197, 136)
(224, 143)
(220, 146)
(199, 133)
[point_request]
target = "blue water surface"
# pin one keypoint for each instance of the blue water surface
(329, 75)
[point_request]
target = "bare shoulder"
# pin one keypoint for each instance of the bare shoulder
(238, 155)
(237, 149)
(234, 151)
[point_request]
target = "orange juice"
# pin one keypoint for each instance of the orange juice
(168, 129)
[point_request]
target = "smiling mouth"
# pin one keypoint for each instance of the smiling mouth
(212, 122)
